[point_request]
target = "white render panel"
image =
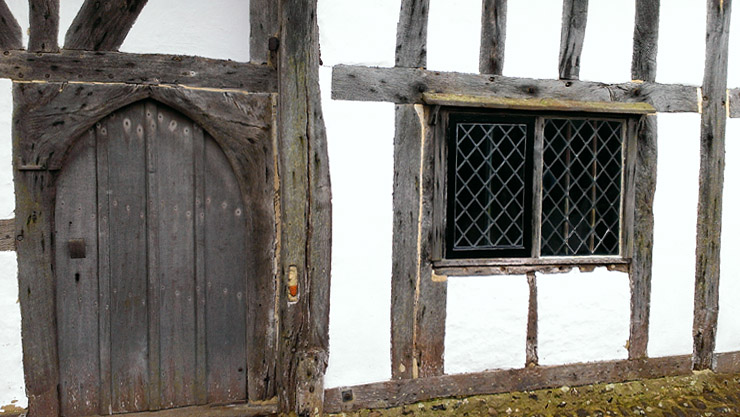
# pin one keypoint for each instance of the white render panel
(676, 196)
(360, 138)
(681, 42)
(453, 36)
(583, 317)
(486, 323)
(728, 326)
(613, 20)
(12, 386)
(532, 38)
(7, 194)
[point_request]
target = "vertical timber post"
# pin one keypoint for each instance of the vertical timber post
(305, 194)
(711, 181)
(417, 303)
(573, 30)
(644, 68)
(492, 37)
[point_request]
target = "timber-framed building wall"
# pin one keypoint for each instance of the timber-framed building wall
(284, 68)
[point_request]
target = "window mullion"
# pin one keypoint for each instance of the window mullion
(539, 133)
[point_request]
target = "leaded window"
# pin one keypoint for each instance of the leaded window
(506, 200)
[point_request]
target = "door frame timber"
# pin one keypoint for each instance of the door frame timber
(48, 119)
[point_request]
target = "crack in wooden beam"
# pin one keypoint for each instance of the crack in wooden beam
(408, 85)
(149, 69)
(102, 25)
(10, 31)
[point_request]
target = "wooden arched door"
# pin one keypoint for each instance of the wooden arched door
(150, 241)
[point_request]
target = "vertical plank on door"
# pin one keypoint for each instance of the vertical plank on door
(104, 299)
(128, 260)
(226, 279)
(150, 133)
(174, 143)
(77, 282)
(200, 264)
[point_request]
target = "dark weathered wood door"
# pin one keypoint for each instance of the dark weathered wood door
(150, 236)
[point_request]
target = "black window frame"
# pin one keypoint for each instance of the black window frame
(442, 256)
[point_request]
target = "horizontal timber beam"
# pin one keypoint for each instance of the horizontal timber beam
(400, 392)
(7, 235)
(150, 69)
(408, 85)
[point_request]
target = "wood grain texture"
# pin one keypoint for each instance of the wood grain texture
(711, 181)
(400, 392)
(148, 69)
(408, 85)
(645, 148)
(230, 410)
(431, 303)
(77, 282)
(305, 201)
(104, 275)
(43, 18)
(33, 224)
(53, 117)
(645, 40)
(7, 234)
(572, 33)
(405, 250)
(102, 25)
(727, 362)
(645, 178)
(10, 31)
(411, 34)
(263, 25)
(492, 37)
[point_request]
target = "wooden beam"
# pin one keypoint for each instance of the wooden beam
(10, 31)
(644, 67)
(102, 25)
(150, 69)
(408, 85)
(727, 362)
(396, 393)
(572, 32)
(492, 37)
(305, 203)
(645, 40)
(411, 34)
(7, 235)
(711, 181)
(43, 17)
(263, 31)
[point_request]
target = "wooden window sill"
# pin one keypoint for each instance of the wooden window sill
(520, 266)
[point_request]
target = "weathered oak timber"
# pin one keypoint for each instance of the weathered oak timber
(711, 180)
(10, 30)
(7, 234)
(43, 17)
(48, 119)
(573, 30)
(532, 359)
(645, 40)
(408, 85)
(263, 25)
(727, 362)
(395, 393)
(644, 67)
(305, 200)
(102, 25)
(431, 302)
(411, 34)
(645, 178)
(149, 69)
(492, 37)
(231, 410)
(33, 224)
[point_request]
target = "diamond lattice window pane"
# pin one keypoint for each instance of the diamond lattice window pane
(490, 162)
(581, 187)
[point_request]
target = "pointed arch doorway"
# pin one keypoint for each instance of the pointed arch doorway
(151, 243)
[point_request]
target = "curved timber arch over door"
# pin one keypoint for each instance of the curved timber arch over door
(152, 268)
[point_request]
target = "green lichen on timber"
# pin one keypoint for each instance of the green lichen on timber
(702, 393)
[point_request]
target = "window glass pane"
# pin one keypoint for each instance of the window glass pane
(490, 197)
(581, 187)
